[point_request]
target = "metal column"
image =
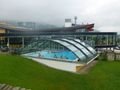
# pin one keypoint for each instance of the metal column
(23, 43)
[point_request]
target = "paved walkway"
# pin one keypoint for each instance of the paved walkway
(9, 87)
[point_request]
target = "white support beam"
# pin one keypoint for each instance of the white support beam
(8, 42)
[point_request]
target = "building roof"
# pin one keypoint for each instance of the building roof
(60, 29)
(9, 27)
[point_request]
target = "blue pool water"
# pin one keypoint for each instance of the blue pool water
(65, 55)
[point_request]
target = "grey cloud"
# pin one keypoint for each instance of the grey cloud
(104, 13)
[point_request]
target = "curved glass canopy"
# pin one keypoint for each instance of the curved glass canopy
(63, 49)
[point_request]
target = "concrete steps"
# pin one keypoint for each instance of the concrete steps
(9, 87)
(85, 69)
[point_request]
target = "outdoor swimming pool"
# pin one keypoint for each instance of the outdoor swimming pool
(61, 55)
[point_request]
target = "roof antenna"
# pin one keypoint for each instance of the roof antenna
(75, 18)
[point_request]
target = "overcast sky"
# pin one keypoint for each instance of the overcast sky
(104, 13)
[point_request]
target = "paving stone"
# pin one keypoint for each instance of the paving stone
(22, 89)
(16, 88)
(2, 86)
(10, 88)
(6, 87)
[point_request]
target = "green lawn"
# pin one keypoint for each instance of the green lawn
(18, 71)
